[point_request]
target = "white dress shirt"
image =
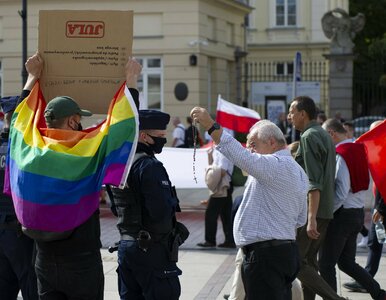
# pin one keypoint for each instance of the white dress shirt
(179, 134)
(224, 163)
(274, 203)
(343, 193)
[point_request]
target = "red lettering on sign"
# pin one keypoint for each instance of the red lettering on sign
(85, 29)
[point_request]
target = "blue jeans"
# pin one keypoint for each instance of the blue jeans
(375, 252)
(339, 248)
(147, 275)
(70, 277)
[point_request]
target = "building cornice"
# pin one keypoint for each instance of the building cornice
(289, 45)
(237, 4)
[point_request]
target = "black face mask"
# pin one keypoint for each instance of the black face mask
(159, 143)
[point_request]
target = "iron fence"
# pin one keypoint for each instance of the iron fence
(267, 71)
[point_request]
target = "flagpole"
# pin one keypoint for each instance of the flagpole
(297, 69)
(296, 77)
(23, 15)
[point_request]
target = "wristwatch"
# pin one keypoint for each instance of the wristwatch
(214, 127)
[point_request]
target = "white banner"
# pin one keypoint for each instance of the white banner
(179, 165)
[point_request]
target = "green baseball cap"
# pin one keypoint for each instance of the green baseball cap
(63, 106)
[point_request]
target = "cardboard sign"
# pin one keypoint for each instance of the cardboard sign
(85, 53)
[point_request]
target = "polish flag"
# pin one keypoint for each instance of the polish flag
(235, 117)
(375, 142)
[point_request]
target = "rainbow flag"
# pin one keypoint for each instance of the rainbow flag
(55, 176)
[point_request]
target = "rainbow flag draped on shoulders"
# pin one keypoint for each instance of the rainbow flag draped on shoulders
(54, 175)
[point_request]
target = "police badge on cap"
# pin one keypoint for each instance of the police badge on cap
(153, 119)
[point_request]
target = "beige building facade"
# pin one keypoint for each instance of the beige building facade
(199, 43)
(277, 30)
(190, 42)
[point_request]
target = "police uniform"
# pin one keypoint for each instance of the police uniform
(146, 218)
(16, 249)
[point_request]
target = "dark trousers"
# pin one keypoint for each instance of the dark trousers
(339, 248)
(219, 207)
(312, 282)
(364, 231)
(375, 251)
(70, 277)
(16, 266)
(267, 273)
(147, 275)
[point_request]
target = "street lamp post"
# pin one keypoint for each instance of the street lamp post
(23, 15)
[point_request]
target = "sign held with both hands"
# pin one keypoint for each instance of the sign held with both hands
(85, 53)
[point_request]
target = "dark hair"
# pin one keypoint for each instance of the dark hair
(56, 123)
(307, 104)
(322, 116)
(189, 120)
(335, 125)
(349, 124)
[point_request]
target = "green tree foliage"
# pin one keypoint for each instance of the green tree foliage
(373, 35)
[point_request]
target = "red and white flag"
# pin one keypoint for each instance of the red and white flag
(375, 142)
(235, 117)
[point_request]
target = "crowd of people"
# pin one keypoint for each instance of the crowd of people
(299, 216)
(303, 223)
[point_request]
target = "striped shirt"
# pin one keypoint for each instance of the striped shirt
(274, 203)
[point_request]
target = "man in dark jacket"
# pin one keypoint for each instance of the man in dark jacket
(16, 249)
(146, 211)
(71, 268)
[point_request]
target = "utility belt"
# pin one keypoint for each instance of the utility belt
(172, 240)
(265, 244)
(144, 234)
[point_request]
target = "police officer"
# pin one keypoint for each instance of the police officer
(16, 249)
(146, 218)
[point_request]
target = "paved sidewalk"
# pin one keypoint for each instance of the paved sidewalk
(207, 274)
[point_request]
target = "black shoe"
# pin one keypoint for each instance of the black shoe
(206, 245)
(354, 287)
(226, 296)
(227, 245)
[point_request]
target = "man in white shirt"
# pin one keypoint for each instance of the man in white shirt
(351, 184)
(178, 133)
(274, 205)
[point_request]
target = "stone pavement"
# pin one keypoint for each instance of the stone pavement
(207, 274)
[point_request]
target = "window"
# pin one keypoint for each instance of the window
(285, 69)
(150, 84)
(252, 15)
(285, 12)
(1, 80)
(148, 25)
(230, 34)
(211, 28)
(1, 28)
(209, 82)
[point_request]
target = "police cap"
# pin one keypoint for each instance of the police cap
(153, 119)
(9, 103)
